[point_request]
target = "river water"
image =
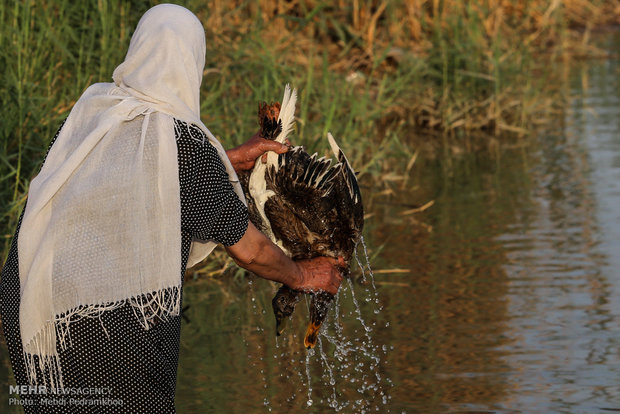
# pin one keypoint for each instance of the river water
(511, 303)
(501, 297)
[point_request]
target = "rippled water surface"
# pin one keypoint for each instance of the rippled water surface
(501, 297)
(509, 303)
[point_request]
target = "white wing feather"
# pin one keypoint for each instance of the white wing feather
(257, 185)
(338, 152)
(287, 113)
(287, 117)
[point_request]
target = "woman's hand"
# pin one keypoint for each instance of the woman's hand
(320, 273)
(244, 156)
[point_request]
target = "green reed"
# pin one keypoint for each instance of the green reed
(375, 74)
(51, 51)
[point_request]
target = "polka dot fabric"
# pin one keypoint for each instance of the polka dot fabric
(214, 211)
(132, 370)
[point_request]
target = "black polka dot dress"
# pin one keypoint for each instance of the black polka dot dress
(125, 368)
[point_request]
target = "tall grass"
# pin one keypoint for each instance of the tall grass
(375, 73)
(50, 52)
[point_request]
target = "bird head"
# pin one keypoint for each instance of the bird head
(268, 114)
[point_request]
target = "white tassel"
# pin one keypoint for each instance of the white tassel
(41, 355)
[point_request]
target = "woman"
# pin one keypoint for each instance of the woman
(134, 189)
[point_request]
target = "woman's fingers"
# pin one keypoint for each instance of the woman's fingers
(268, 145)
(339, 261)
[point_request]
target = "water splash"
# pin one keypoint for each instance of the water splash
(369, 349)
(333, 401)
(257, 346)
(310, 353)
(372, 276)
(351, 363)
(370, 273)
(343, 373)
(337, 323)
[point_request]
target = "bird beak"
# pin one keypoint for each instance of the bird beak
(280, 325)
(312, 334)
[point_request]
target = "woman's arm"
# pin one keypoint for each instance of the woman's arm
(256, 253)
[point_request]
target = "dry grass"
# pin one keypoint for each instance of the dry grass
(461, 67)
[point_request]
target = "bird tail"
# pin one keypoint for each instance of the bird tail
(350, 178)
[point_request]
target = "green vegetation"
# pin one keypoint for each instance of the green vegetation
(379, 75)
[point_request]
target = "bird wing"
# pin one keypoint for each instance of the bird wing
(350, 178)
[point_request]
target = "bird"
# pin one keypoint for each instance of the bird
(305, 205)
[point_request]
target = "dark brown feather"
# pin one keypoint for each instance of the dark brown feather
(316, 210)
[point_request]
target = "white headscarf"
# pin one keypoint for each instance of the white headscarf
(102, 226)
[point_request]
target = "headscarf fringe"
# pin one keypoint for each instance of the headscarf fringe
(43, 368)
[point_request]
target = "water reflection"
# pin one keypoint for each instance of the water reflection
(510, 304)
(449, 315)
(507, 305)
(563, 275)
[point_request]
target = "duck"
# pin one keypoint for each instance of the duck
(306, 204)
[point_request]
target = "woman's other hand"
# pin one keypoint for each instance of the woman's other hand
(244, 156)
(320, 273)
(256, 253)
